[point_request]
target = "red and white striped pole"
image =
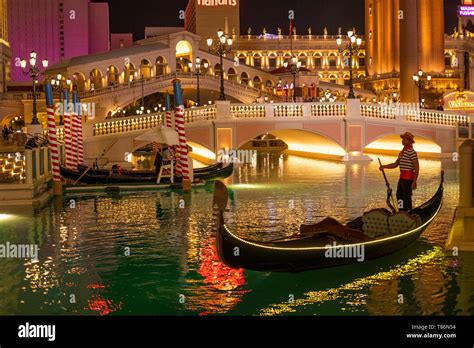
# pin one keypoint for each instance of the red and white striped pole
(168, 111)
(68, 131)
(53, 142)
(74, 130)
(182, 148)
(80, 139)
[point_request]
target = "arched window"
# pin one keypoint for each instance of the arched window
(244, 78)
(232, 75)
(160, 66)
(96, 79)
(113, 75)
(145, 69)
(257, 82)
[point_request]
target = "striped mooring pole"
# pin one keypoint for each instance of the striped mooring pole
(169, 124)
(68, 132)
(53, 142)
(77, 127)
(182, 148)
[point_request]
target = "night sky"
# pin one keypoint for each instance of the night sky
(133, 15)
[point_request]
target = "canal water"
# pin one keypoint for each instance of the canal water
(153, 253)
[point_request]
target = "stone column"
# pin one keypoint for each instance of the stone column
(408, 51)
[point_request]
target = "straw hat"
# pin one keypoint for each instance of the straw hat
(408, 136)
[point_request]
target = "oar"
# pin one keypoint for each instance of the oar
(85, 172)
(392, 203)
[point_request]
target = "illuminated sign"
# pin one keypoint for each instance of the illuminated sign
(466, 11)
(467, 2)
(217, 2)
(460, 101)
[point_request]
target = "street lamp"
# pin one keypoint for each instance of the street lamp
(221, 47)
(293, 68)
(61, 85)
(33, 71)
(352, 48)
(198, 72)
(421, 81)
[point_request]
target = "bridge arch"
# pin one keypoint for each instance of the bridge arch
(299, 140)
(257, 82)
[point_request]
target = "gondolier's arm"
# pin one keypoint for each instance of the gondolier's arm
(391, 165)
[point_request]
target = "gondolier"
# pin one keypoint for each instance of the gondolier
(409, 170)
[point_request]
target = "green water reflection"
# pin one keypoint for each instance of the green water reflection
(153, 252)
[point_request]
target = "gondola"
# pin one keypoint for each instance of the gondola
(322, 245)
(145, 173)
(110, 178)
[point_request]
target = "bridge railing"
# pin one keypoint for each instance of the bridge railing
(159, 78)
(248, 110)
(438, 117)
(203, 113)
(377, 111)
(128, 124)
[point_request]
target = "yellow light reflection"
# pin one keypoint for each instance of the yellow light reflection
(202, 151)
(310, 298)
(4, 217)
(393, 143)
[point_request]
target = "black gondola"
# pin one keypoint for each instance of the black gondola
(320, 247)
(111, 178)
(146, 173)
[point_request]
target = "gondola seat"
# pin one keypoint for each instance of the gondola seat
(375, 222)
(380, 222)
(402, 222)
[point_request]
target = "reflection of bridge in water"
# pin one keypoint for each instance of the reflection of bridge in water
(329, 130)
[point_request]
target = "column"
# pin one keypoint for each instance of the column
(408, 51)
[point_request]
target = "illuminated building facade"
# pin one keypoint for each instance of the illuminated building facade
(56, 30)
(5, 51)
(401, 37)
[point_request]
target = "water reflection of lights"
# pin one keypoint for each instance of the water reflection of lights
(314, 297)
(220, 292)
(41, 276)
(98, 303)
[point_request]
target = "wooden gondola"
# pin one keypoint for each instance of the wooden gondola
(110, 178)
(145, 173)
(322, 245)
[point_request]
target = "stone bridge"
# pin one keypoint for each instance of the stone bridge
(327, 130)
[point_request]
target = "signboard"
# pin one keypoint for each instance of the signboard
(466, 11)
(459, 101)
(217, 2)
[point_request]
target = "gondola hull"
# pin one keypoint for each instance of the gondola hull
(145, 173)
(317, 251)
(94, 178)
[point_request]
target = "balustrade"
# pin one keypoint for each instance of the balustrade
(248, 111)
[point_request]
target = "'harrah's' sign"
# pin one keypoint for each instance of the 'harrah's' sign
(217, 2)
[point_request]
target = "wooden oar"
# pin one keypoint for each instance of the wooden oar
(85, 172)
(392, 203)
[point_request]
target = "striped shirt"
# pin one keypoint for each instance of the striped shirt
(407, 157)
